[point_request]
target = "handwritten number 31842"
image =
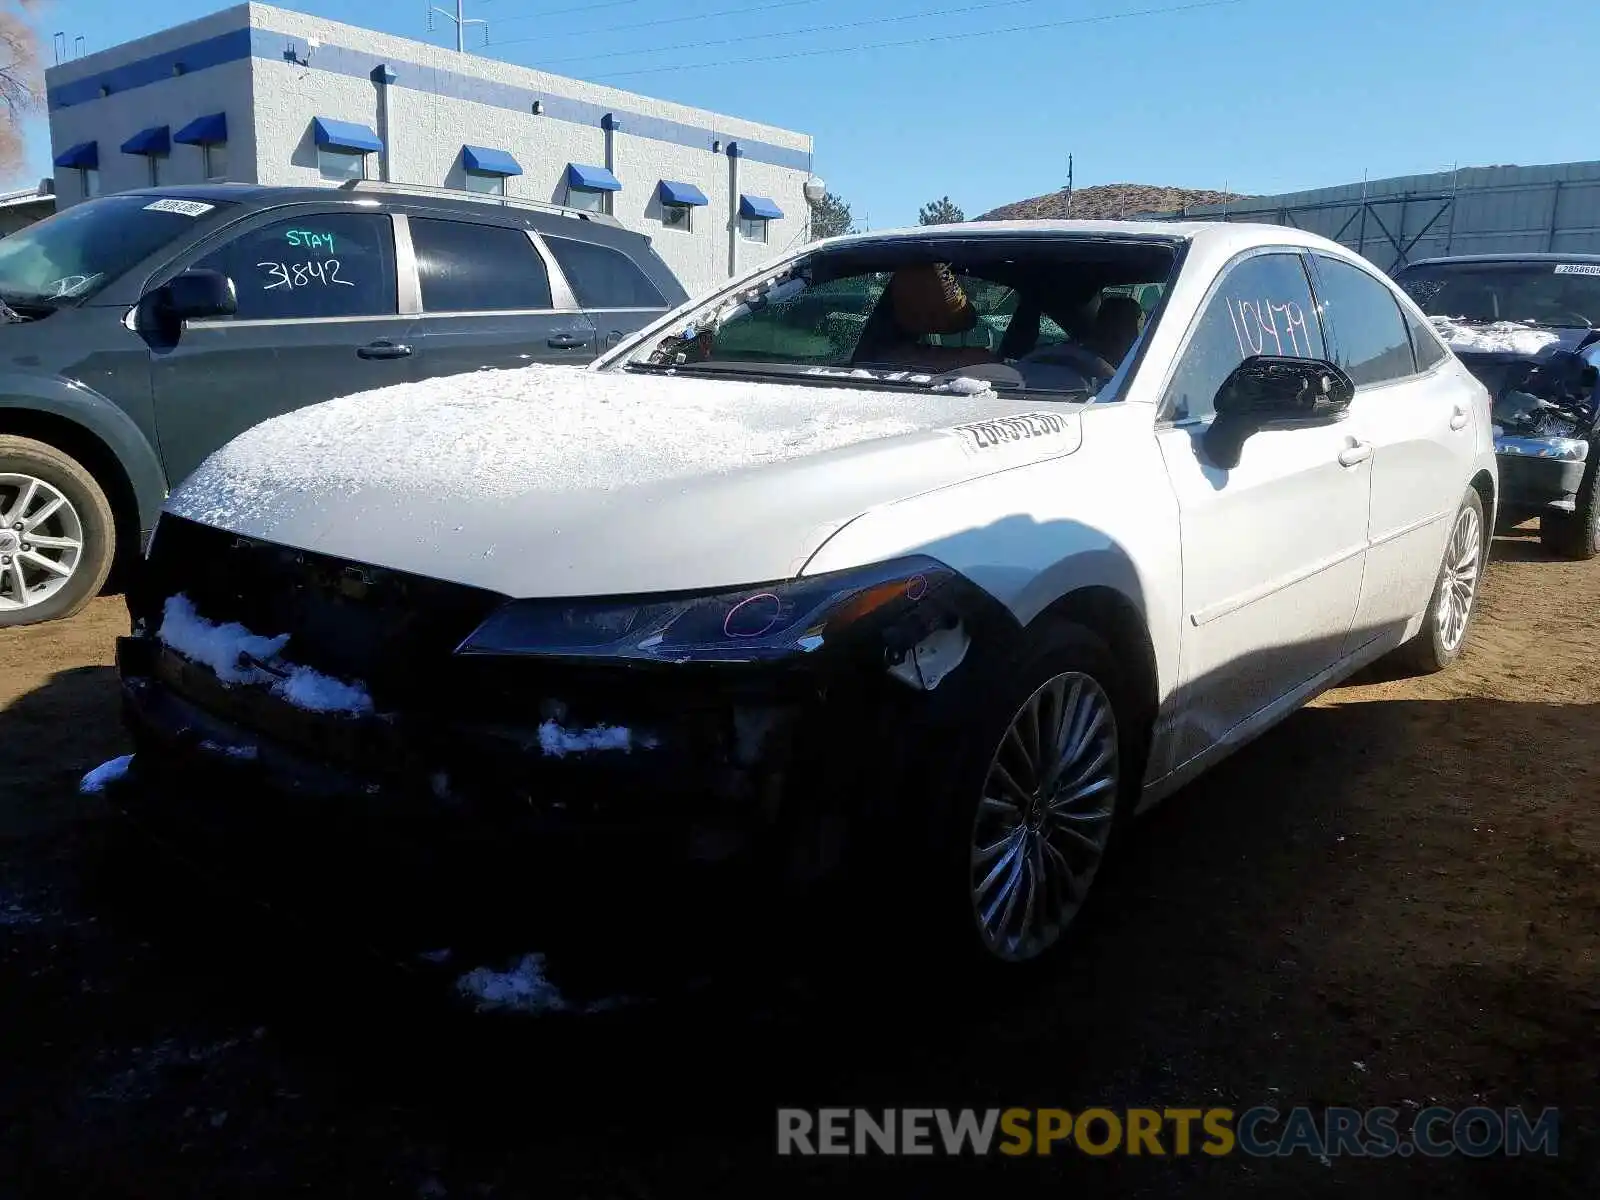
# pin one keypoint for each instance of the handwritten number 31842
(303, 274)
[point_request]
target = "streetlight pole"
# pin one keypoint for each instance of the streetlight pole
(462, 21)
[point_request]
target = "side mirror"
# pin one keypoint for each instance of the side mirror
(196, 294)
(1269, 387)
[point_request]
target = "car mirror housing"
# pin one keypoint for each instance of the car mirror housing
(199, 293)
(1270, 387)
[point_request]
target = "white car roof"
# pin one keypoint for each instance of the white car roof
(1225, 237)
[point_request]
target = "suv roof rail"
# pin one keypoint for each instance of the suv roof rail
(379, 185)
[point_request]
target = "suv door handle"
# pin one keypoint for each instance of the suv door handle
(565, 341)
(1355, 453)
(1458, 419)
(384, 350)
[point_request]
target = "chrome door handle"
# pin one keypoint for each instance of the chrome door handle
(564, 341)
(1458, 419)
(1355, 453)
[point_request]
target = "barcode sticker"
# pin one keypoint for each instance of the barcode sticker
(189, 208)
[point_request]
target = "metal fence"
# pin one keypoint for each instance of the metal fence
(1472, 211)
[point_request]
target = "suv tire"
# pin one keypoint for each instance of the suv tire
(78, 513)
(1576, 535)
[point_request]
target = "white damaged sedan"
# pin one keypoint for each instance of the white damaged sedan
(919, 558)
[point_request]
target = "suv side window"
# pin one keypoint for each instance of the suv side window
(601, 277)
(323, 265)
(1373, 345)
(1262, 305)
(464, 267)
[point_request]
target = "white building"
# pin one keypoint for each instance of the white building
(264, 95)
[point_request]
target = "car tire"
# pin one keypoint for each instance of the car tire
(1576, 535)
(1058, 670)
(78, 524)
(1454, 602)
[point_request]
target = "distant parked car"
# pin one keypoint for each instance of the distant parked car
(1525, 325)
(145, 329)
(767, 595)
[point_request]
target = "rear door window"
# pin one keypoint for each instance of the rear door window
(601, 277)
(465, 267)
(325, 265)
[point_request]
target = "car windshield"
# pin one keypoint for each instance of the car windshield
(1541, 293)
(1038, 315)
(79, 250)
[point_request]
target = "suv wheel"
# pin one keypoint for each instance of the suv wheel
(1576, 535)
(56, 533)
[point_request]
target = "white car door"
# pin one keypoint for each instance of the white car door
(1419, 424)
(1273, 544)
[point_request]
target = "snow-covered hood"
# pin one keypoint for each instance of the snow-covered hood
(1502, 339)
(554, 481)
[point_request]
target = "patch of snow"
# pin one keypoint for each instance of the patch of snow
(1502, 337)
(521, 989)
(963, 385)
(558, 741)
(224, 648)
(105, 775)
(245, 753)
(524, 988)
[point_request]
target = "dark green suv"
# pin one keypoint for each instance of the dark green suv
(141, 331)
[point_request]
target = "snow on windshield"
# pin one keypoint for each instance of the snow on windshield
(1502, 337)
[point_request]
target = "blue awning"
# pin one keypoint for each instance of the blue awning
(155, 140)
(84, 154)
(204, 131)
(344, 135)
(596, 179)
(673, 192)
(759, 207)
(489, 162)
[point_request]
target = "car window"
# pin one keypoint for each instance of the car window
(820, 327)
(464, 267)
(1263, 305)
(324, 265)
(601, 277)
(1369, 334)
(1425, 343)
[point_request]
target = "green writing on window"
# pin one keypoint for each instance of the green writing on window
(310, 239)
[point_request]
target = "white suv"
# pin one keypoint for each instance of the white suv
(929, 554)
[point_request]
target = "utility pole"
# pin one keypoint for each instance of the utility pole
(1069, 185)
(462, 21)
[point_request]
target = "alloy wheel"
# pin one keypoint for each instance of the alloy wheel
(1458, 585)
(1045, 817)
(41, 541)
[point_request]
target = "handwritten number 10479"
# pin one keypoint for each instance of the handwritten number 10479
(303, 274)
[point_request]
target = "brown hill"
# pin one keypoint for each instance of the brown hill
(1106, 202)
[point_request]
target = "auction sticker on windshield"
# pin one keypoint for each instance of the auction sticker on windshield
(1044, 429)
(1578, 268)
(189, 208)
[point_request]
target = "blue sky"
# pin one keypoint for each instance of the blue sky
(1258, 95)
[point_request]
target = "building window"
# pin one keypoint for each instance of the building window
(753, 229)
(214, 160)
(89, 181)
(341, 165)
(489, 185)
(588, 199)
(678, 216)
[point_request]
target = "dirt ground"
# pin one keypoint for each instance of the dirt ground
(1393, 899)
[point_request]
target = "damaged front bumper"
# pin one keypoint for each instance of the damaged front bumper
(1540, 473)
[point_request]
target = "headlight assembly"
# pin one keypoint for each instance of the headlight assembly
(750, 624)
